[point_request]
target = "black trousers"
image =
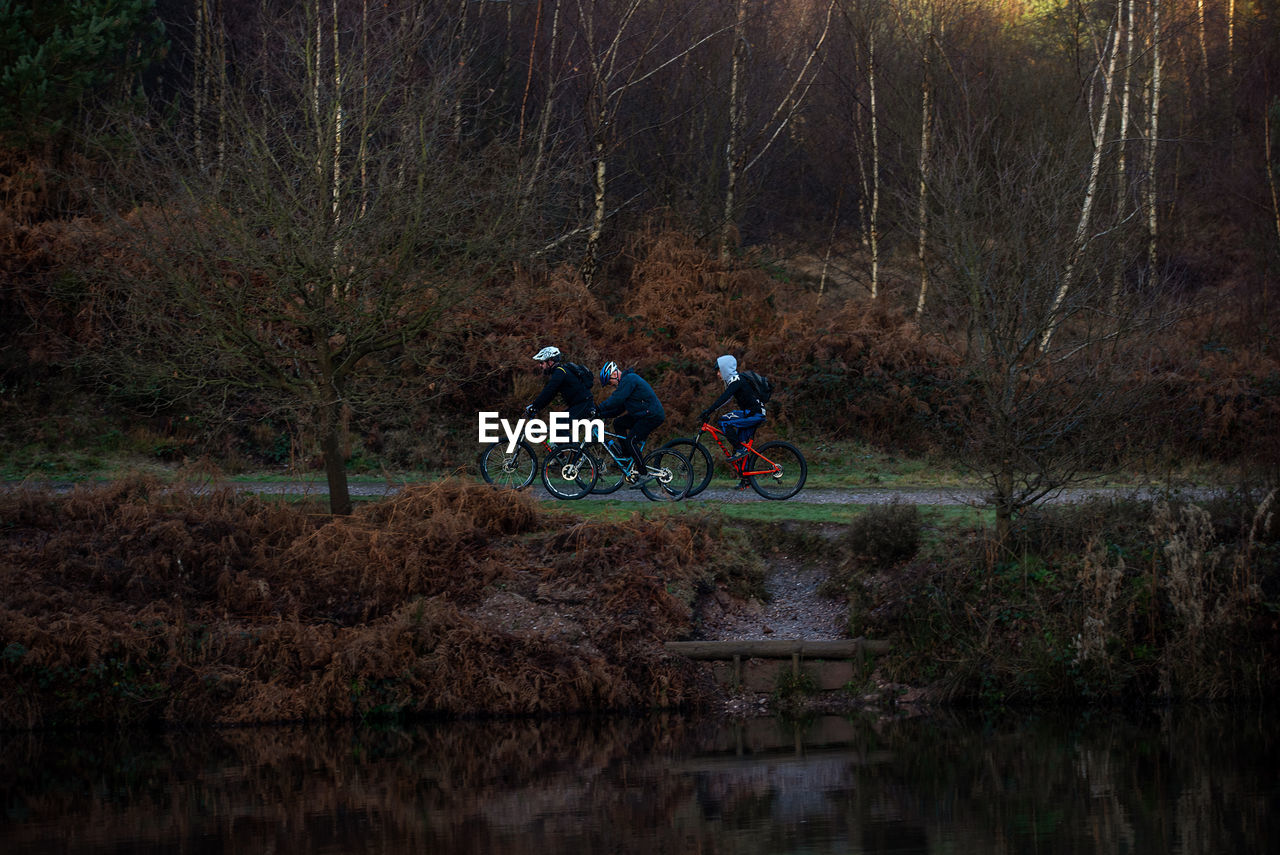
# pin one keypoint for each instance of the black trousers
(636, 429)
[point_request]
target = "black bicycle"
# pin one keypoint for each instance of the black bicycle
(568, 471)
(667, 475)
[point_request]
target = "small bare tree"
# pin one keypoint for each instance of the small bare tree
(1038, 418)
(344, 225)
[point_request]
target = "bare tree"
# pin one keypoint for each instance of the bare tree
(1101, 108)
(618, 48)
(1005, 231)
(746, 146)
(327, 246)
(852, 65)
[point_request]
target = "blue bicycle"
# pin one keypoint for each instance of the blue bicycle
(667, 475)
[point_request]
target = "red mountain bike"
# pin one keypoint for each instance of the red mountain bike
(775, 469)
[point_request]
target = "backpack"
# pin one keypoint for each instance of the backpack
(582, 374)
(759, 383)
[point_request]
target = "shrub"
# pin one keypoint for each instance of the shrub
(884, 534)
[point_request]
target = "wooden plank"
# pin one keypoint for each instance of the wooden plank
(783, 649)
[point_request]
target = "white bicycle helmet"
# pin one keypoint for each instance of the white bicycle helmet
(547, 353)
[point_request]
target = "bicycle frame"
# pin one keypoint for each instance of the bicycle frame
(538, 450)
(726, 448)
(624, 462)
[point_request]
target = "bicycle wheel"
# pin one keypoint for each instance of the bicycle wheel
(517, 469)
(777, 470)
(569, 473)
(699, 462)
(673, 476)
(609, 475)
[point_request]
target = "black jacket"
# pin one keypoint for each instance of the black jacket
(577, 398)
(742, 392)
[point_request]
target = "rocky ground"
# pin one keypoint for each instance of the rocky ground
(795, 609)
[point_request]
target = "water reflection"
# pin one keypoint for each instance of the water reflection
(1192, 782)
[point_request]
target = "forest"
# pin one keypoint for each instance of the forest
(1040, 237)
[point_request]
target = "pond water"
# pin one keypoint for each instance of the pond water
(1183, 782)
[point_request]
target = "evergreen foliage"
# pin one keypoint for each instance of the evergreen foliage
(55, 54)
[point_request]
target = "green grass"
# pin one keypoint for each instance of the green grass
(615, 509)
(937, 516)
(859, 465)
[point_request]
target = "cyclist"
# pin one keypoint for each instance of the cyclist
(564, 381)
(738, 425)
(636, 407)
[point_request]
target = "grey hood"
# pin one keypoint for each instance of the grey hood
(728, 368)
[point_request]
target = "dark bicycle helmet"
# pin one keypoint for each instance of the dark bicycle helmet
(605, 371)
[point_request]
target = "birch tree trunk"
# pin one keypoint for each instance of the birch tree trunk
(199, 75)
(922, 204)
(542, 136)
(362, 157)
(875, 166)
(869, 176)
(612, 74)
(335, 194)
(1204, 49)
(1095, 168)
(462, 48)
(831, 239)
(599, 185)
(1231, 38)
(1268, 112)
(209, 84)
(1122, 179)
(1153, 132)
(785, 110)
(732, 149)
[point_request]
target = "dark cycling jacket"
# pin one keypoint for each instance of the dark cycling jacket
(633, 395)
(577, 398)
(742, 392)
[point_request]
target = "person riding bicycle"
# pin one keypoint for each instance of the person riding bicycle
(738, 425)
(636, 407)
(562, 380)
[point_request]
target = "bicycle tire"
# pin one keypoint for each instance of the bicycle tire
(569, 473)
(674, 479)
(609, 475)
(700, 463)
(787, 479)
(514, 470)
